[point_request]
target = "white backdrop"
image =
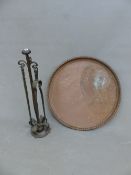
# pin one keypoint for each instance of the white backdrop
(56, 30)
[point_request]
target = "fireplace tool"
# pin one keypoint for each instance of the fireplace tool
(39, 126)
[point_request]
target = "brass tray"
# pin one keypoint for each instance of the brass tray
(83, 93)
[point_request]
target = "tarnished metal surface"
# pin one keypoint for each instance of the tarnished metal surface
(39, 126)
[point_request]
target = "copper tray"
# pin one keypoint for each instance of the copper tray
(83, 93)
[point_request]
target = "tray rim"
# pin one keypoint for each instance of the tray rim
(118, 93)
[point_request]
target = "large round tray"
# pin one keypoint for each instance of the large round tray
(83, 93)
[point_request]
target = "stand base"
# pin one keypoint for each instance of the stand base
(40, 130)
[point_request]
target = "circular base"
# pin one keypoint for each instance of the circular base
(40, 132)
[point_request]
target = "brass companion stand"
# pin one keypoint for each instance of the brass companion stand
(39, 126)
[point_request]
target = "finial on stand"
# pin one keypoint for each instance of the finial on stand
(39, 126)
